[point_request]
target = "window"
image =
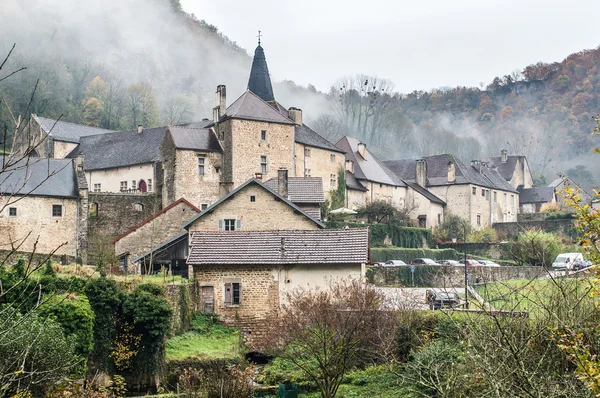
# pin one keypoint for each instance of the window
(56, 210)
(222, 136)
(332, 158)
(133, 184)
(97, 187)
(512, 201)
(439, 218)
(252, 198)
(233, 293)
(495, 197)
(93, 209)
(306, 172)
(478, 219)
(149, 184)
(332, 180)
(200, 165)
(230, 225)
(505, 196)
(306, 152)
(123, 185)
(12, 211)
(474, 191)
(204, 206)
(482, 192)
(263, 164)
(138, 207)
(263, 135)
(218, 170)
(487, 194)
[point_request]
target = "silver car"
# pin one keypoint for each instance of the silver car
(393, 263)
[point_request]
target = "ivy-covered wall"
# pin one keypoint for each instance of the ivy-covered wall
(398, 236)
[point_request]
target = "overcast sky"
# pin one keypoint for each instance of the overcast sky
(419, 44)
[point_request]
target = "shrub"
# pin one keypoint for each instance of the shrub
(483, 235)
(217, 382)
(452, 227)
(535, 247)
(550, 208)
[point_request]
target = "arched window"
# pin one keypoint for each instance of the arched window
(138, 207)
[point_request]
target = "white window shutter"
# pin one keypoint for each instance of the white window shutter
(220, 225)
(228, 293)
(238, 225)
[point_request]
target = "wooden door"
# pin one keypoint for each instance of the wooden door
(208, 299)
(142, 186)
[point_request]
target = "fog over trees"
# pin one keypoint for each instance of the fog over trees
(118, 64)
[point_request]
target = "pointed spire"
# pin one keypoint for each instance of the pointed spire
(260, 82)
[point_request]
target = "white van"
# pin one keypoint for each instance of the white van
(565, 261)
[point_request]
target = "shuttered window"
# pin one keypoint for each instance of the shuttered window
(233, 293)
(230, 224)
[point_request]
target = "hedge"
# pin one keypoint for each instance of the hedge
(384, 254)
(400, 236)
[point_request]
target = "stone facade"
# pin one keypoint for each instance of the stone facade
(149, 233)
(62, 149)
(34, 222)
(318, 162)
(389, 193)
(243, 148)
(428, 214)
(265, 213)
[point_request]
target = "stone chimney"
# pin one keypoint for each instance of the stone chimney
(140, 129)
(220, 103)
(421, 172)
(350, 166)
(79, 162)
(282, 182)
(476, 164)
(296, 115)
(362, 150)
(451, 172)
(258, 176)
(504, 155)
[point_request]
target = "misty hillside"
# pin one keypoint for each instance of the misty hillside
(116, 64)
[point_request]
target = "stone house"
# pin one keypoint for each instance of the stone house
(43, 207)
(304, 192)
(476, 192)
(513, 168)
(368, 179)
(48, 138)
(563, 182)
(144, 236)
(531, 200)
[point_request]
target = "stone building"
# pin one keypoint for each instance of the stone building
(304, 192)
(368, 179)
(43, 207)
(476, 192)
(531, 200)
(564, 182)
(513, 168)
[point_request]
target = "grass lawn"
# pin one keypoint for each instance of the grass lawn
(206, 340)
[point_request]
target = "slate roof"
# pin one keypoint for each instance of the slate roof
(301, 189)
(371, 169)
(195, 138)
(232, 194)
(197, 125)
(123, 148)
(251, 107)
(558, 182)
(353, 183)
(437, 172)
(507, 169)
(536, 195)
(425, 192)
(260, 81)
(327, 246)
(65, 131)
(40, 177)
(307, 136)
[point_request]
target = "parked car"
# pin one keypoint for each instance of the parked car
(565, 261)
(471, 263)
(393, 263)
(488, 263)
(452, 263)
(581, 264)
(438, 300)
(423, 261)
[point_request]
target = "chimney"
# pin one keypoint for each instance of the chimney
(221, 99)
(504, 155)
(362, 150)
(79, 162)
(451, 172)
(296, 115)
(258, 176)
(282, 182)
(140, 129)
(350, 166)
(216, 114)
(421, 172)
(476, 164)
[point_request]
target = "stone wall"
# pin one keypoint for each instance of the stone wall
(173, 294)
(511, 229)
(35, 228)
(197, 189)
(62, 148)
(487, 250)
(162, 227)
(319, 163)
(265, 213)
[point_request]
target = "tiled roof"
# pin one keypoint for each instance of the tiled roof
(152, 217)
(301, 189)
(437, 172)
(371, 169)
(314, 213)
(307, 136)
(536, 195)
(326, 246)
(352, 183)
(195, 138)
(506, 169)
(40, 177)
(65, 131)
(260, 81)
(242, 186)
(250, 107)
(123, 148)
(426, 193)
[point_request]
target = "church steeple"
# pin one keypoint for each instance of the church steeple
(260, 82)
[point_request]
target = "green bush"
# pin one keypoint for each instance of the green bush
(408, 254)
(535, 247)
(452, 227)
(400, 236)
(483, 235)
